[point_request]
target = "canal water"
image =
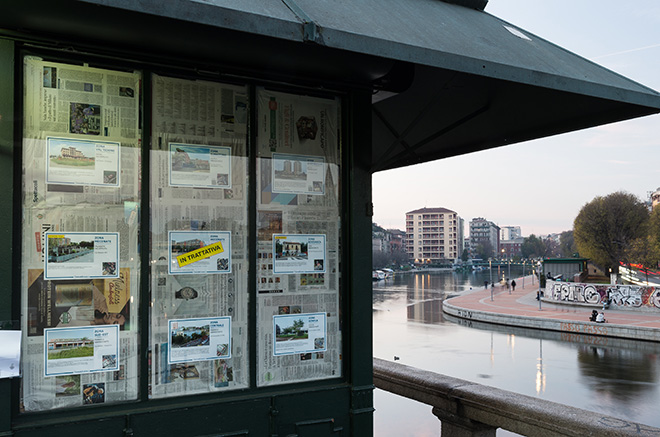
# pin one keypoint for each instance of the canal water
(609, 376)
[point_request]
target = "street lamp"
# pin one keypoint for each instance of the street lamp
(539, 286)
(523, 286)
(490, 270)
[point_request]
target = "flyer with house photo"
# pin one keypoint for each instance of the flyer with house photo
(299, 253)
(202, 166)
(199, 339)
(81, 350)
(199, 252)
(298, 174)
(82, 162)
(78, 255)
(299, 333)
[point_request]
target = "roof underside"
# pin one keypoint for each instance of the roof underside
(447, 79)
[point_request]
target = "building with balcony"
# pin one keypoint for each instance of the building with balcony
(433, 235)
(397, 240)
(484, 233)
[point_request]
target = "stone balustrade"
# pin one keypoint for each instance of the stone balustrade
(469, 409)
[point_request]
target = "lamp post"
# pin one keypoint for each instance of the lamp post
(490, 270)
(523, 286)
(539, 286)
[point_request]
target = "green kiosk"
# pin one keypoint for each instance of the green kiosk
(187, 206)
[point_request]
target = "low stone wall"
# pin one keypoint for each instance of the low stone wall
(561, 325)
(469, 409)
(623, 296)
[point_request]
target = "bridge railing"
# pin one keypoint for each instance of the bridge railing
(465, 408)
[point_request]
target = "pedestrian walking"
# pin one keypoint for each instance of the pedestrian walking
(508, 285)
(513, 285)
(485, 285)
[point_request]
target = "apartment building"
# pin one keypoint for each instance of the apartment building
(434, 235)
(484, 232)
(510, 232)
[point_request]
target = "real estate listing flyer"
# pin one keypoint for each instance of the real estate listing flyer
(69, 351)
(298, 174)
(201, 166)
(77, 255)
(199, 253)
(82, 162)
(299, 333)
(199, 339)
(298, 253)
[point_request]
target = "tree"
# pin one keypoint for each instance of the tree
(533, 247)
(484, 250)
(380, 259)
(465, 255)
(567, 246)
(400, 257)
(550, 248)
(645, 250)
(606, 227)
(298, 325)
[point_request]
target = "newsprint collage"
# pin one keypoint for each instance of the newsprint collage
(82, 261)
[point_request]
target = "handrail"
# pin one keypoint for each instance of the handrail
(467, 407)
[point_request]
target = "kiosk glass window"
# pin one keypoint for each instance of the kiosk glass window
(80, 260)
(81, 232)
(199, 230)
(298, 238)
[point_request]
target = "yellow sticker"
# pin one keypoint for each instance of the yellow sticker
(199, 254)
(55, 236)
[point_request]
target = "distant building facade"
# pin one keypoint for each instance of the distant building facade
(398, 240)
(380, 242)
(433, 235)
(655, 198)
(484, 232)
(512, 247)
(510, 233)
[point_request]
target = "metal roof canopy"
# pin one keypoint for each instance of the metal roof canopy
(447, 79)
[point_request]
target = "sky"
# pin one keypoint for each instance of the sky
(542, 184)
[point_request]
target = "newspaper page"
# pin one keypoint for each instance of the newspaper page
(199, 335)
(80, 255)
(298, 216)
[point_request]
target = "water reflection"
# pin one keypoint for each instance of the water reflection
(618, 373)
(540, 376)
(612, 376)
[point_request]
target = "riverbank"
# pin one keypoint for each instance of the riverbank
(520, 308)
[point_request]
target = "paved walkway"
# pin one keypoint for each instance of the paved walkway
(520, 308)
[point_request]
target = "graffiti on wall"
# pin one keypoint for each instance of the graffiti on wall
(621, 295)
